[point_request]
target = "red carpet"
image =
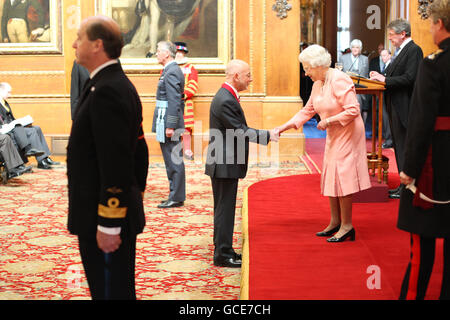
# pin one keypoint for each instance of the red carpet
(287, 261)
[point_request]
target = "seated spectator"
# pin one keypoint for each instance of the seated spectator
(36, 139)
(358, 64)
(11, 158)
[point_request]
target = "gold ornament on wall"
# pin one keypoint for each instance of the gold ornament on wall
(281, 7)
(423, 8)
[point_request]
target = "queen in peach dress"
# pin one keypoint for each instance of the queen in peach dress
(345, 171)
(345, 158)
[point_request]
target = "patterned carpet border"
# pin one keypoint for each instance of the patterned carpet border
(39, 259)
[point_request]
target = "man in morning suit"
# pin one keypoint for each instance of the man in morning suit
(227, 157)
(107, 164)
(168, 122)
(427, 154)
(400, 76)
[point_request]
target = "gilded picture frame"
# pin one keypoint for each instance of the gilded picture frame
(26, 30)
(311, 18)
(204, 25)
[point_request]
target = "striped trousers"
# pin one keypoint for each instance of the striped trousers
(420, 266)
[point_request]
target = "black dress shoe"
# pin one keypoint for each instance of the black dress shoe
(228, 262)
(329, 232)
(15, 172)
(34, 153)
(395, 195)
(43, 165)
(387, 145)
(171, 204)
(28, 169)
(396, 190)
(51, 162)
(350, 234)
(25, 169)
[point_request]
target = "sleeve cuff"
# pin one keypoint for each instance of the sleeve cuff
(110, 231)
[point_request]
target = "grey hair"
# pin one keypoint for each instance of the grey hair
(356, 43)
(440, 9)
(169, 46)
(316, 56)
(4, 87)
(400, 25)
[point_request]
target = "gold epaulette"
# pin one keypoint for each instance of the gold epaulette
(435, 54)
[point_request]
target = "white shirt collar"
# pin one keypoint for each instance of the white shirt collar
(404, 43)
(171, 61)
(234, 89)
(103, 66)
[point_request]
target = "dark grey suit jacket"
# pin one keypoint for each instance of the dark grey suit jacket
(171, 89)
(228, 147)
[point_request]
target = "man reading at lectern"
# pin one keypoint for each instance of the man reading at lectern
(400, 76)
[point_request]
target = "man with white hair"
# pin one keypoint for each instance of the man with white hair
(358, 64)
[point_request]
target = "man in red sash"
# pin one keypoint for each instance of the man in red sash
(426, 168)
(227, 158)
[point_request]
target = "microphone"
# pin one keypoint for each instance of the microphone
(371, 53)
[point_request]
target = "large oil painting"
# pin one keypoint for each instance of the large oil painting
(30, 27)
(204, 25)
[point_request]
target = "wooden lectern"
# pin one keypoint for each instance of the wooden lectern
(375, 159)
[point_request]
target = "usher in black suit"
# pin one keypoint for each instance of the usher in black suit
(107, 165)
(227, 162)
(400, 78)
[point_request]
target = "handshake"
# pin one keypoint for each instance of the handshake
(275, 134)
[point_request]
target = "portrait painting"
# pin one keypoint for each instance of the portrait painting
(30, 26)
(204, 25)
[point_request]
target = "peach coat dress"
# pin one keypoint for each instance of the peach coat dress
(345, 158)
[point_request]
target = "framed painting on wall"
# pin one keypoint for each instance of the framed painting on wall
(204, 25)
(30, 27)
(311, 15)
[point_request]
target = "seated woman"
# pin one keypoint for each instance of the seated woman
(345, 170)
